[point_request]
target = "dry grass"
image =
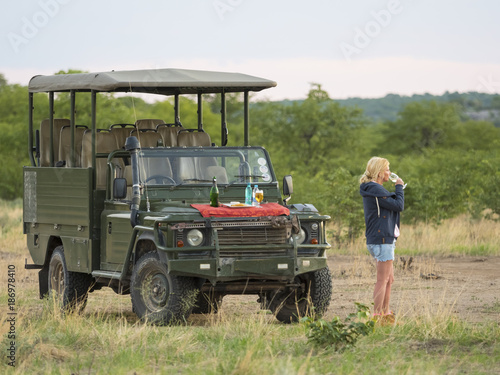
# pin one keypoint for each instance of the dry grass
(11, 227)
(458, 236)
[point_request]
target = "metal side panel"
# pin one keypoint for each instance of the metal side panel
(63, 196)
(58, 204)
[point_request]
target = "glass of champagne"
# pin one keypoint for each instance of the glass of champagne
(259, 196)
(394, 177)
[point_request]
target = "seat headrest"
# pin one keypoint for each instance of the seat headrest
(185, 138)
(148, 123)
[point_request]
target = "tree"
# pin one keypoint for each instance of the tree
(422, 125)
(306, 135)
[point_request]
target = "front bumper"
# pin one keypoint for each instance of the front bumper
(227, 269)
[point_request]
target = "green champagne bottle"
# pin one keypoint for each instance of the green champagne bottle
(214, 194)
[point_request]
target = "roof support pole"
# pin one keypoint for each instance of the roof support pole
(51, 130)
(200, 112)
(30, 129)
(93, 101)
(176, 110)
(72, 122)
(246, 119)
(223, 135)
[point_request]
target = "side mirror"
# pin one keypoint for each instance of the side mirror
(287, 188)
(119, 188)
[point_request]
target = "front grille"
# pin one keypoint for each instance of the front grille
(252, 236)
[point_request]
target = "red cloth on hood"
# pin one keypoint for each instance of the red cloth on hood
(266, 209)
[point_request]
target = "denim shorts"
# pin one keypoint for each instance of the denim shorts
(382, 252)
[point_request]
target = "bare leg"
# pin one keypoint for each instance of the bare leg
(387, 296)
(382, 291)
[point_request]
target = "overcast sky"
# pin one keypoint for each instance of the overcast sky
(353, 48)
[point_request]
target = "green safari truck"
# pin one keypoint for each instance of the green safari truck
(127, 207)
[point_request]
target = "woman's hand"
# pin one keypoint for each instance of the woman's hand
(399, 181)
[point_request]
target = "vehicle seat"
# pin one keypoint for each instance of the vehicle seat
(216, 171)
(45, 139)
(127, 175)
(149, 167)
(147, 137)
(65, 144)
(148, 123)
(105, 143)
(121, 132)
(193, 138)
(169, 132)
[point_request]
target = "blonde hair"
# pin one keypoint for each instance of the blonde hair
(374, 168)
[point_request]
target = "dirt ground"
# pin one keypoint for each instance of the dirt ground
(465, 287)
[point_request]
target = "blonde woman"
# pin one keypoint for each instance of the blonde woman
(382, 210)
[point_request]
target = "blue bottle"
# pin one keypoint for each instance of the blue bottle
(248, 195)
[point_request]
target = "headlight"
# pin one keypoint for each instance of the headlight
(195, 237)
(301, 236)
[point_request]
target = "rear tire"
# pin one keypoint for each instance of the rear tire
(70, 289)
(312, 299)
(157, 296)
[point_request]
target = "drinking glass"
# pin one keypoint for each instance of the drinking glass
(394, 177)
(259, 196)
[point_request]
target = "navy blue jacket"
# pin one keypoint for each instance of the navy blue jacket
(382, 210)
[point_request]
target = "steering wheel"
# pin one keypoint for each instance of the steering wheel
(159, 178)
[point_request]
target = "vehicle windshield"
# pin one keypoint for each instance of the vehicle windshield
(197, 165)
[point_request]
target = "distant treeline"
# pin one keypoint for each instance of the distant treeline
(475, 105)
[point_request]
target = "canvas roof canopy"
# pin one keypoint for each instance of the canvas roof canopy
(155, 81)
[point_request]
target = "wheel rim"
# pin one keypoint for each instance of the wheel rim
(57, 278)
(155, 292)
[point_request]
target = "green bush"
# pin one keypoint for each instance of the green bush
(337, 334)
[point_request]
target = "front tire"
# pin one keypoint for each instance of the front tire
(70, 289)
(157, 296)
(208, 303)
(312, 299)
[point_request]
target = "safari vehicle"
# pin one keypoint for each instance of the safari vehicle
(127, 207)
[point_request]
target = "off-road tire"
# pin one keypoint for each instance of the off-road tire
(70, 289)
(158, 297)
(207, 303)
(312, 299)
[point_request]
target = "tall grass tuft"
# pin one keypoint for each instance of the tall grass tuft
(459, 236)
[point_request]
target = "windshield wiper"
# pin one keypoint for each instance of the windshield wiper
(249, 175)
(185, 182)
(241, 181)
